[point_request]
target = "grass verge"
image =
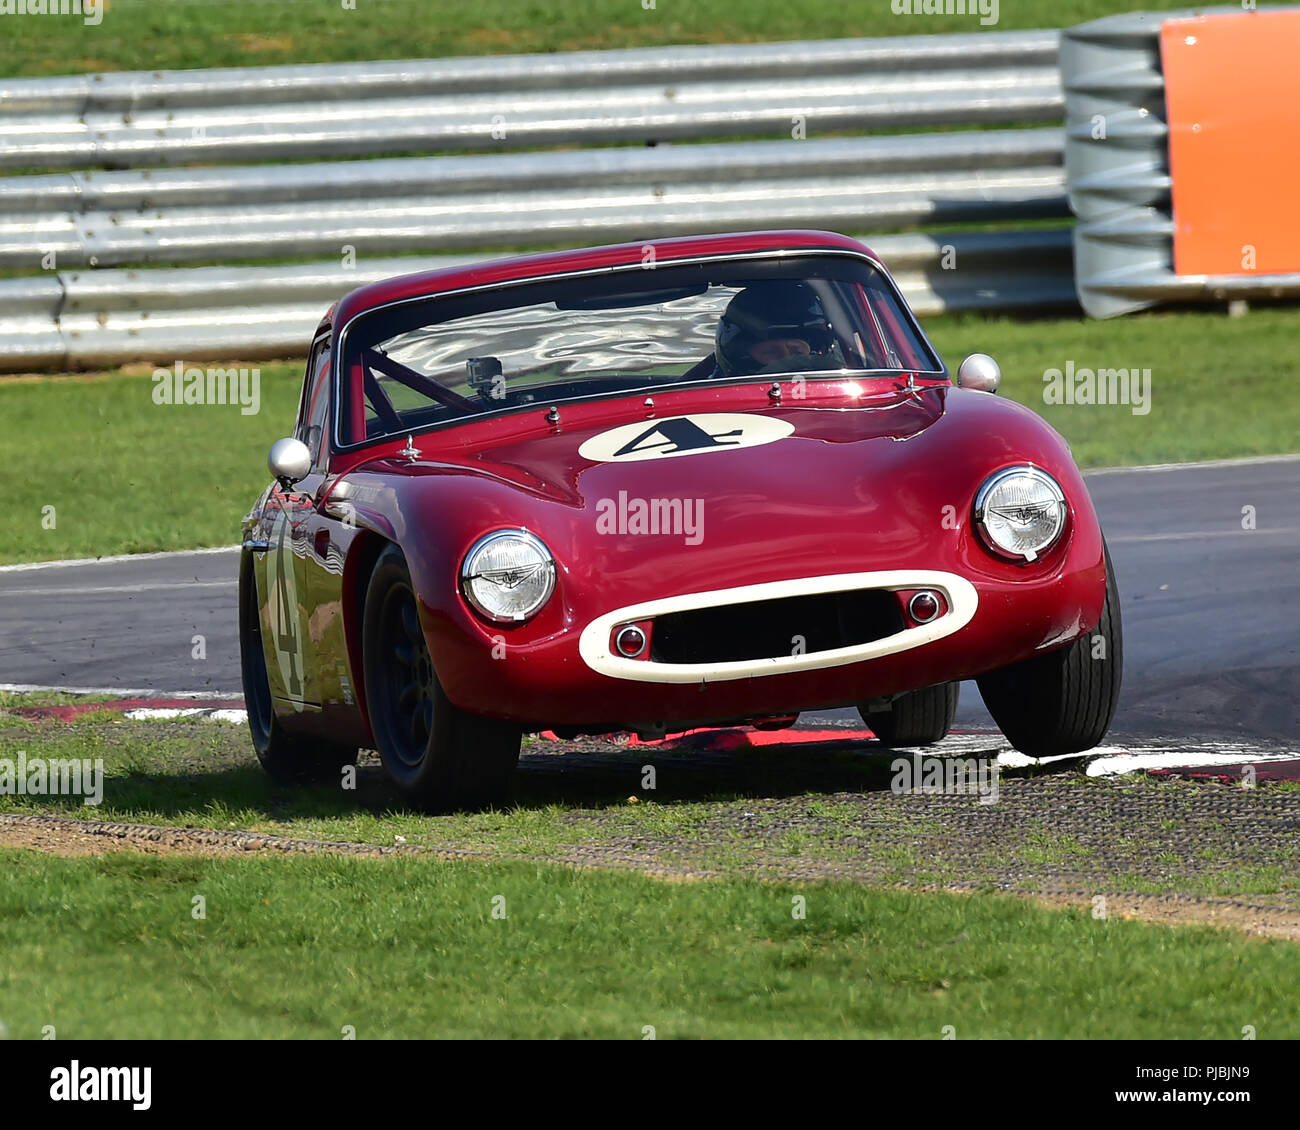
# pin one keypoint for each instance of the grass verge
(143, 35)
(111, 948)
(824, 810)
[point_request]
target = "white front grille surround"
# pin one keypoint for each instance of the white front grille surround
(958, 593)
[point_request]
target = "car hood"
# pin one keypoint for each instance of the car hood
(883, 483)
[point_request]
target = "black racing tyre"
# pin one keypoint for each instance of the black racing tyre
(917, 718)
(441, 758)
(287, 758)
(1062, 702)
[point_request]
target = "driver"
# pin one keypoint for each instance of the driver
(773, 327)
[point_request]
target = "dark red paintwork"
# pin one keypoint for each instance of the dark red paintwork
(874, 477)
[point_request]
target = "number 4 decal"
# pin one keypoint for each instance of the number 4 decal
(684, 435)
(679, 434)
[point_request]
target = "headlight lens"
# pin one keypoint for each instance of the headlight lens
(1020, 512)
(508, 575)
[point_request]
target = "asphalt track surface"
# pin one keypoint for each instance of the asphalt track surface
(1211, 610)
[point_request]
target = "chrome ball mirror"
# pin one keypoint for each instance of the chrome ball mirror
(289, 461)
(979, 371)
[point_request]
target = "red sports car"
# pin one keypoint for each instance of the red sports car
(700, 481)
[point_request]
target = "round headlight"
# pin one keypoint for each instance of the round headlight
(1020, 512)
(508, 575)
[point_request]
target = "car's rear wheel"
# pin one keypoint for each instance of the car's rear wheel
(440, 757)
(917, 718)
(286, 757)
(1062, 702)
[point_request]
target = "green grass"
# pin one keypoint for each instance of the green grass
(142, 34)
(765, 813)
(1050, 847)
(1214, 380)
(206, 776)
(399, 948)
(11, 699)
(125, 475)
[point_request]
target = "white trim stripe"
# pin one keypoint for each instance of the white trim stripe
(1207, 465)
(188, 714)
(99, 590)
(1198, 535)
(28, 566)
(593, 645)
(122, 692)
(1118, 764)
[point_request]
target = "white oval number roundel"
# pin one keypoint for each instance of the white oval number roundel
(683, 435)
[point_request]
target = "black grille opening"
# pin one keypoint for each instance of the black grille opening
(766, 629)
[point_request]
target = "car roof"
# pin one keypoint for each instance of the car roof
(535, 266)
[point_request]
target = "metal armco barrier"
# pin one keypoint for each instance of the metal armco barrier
(1118, 170)
(654, 94)
(114, 203)
(87, 319)
(387, 206)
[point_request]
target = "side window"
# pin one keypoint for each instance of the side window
(314, 408)
(907, 351)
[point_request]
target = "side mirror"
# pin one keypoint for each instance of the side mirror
(979, 371)
(289, 461)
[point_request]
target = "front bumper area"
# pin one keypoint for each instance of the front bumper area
(575, 678)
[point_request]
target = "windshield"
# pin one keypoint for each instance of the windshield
(446, 358)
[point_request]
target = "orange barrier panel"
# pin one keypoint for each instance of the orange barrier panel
(1232, 85)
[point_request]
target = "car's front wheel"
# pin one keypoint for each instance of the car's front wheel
(287, 758)
(440, 757)
(917, 718)
(1062, 702)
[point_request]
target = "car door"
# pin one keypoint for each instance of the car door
(328, 528)
(282, 571)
